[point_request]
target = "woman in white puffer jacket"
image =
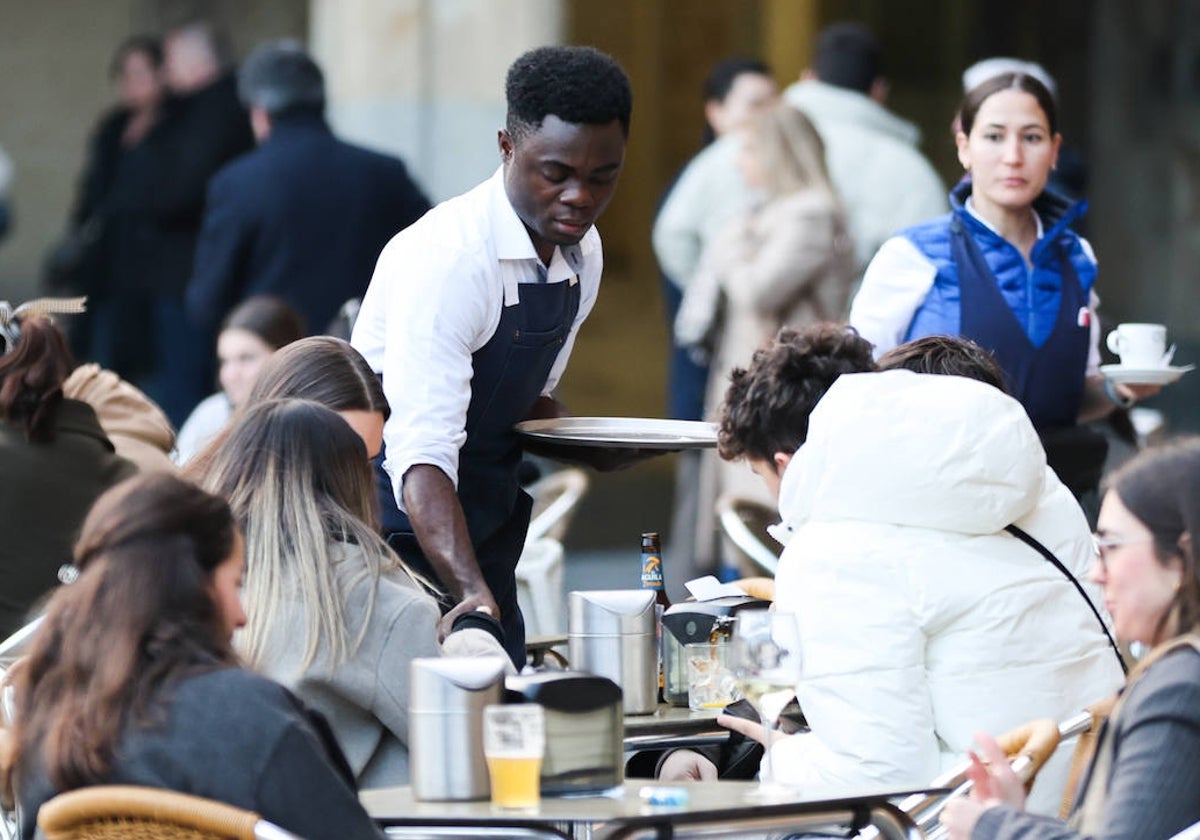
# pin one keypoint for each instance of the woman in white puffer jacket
(922, 620)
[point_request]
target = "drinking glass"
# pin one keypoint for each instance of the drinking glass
(765, 657)
(514, 740)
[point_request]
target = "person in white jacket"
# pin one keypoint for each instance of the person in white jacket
(874, 156)
(922, 621)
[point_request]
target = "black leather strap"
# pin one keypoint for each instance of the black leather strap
(1028, 539)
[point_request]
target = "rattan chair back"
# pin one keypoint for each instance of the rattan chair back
(108, 812)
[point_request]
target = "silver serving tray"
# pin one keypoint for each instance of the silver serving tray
(622, 432)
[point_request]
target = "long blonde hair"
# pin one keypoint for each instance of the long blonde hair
(299, 482)
(790, 152)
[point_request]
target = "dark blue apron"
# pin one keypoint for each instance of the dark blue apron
(508, 374)
(1048, 380)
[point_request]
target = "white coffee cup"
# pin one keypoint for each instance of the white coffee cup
(1139, 345)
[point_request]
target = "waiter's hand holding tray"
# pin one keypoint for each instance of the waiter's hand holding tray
(610, 443)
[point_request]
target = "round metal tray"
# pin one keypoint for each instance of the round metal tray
(622, 432)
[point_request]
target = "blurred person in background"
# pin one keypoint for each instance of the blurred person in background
(132, 679)
(786, 261)
(1005, 269)
(107, 252)
(204, 128)
(883, 180)
(254, 330)
(305, 215)
(136, 426)
(706, 194)
(54, 458)
(335, 615)
(1142, 778)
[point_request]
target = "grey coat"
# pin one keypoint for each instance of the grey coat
(1154, 786)
(365, 698)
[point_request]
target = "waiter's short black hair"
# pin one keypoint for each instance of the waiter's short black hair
(578, 85)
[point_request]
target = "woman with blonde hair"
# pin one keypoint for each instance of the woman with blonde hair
(333, 613)
(788, 261)
(1143, 778)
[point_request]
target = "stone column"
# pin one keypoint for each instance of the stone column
(424, 79)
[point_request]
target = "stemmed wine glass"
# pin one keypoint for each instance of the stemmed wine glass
(765, 659)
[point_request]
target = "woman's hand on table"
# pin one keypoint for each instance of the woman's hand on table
(994, 784)
(685, 765)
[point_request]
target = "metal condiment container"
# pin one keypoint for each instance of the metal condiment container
(613, 634)
(445, 725)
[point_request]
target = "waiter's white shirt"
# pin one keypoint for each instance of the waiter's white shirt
(435, 298)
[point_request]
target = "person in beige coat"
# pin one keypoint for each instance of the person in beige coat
(788, 261)
(137, 427)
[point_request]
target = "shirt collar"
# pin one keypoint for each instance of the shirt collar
(513, 242)
(970, 205)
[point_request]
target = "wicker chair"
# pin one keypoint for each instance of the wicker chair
(141, 813)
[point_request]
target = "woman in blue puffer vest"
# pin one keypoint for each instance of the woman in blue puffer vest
(1004, 269)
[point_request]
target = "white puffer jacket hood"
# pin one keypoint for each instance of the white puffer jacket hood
(981, 472)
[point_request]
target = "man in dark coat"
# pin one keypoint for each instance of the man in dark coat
(204, 128)
(304, 216)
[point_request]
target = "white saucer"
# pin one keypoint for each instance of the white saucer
(1144, 376)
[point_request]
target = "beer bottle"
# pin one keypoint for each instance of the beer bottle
(652, 578)
(652, 571)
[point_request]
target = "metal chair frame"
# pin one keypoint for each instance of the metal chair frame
(926, 811)
(729, 514)
(555, 497)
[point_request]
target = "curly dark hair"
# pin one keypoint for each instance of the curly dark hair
(767, 406)
(948, 355)
(578, 85)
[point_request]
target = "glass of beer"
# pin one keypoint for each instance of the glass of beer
(514, 739)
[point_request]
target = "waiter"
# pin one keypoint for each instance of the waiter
(470, 319)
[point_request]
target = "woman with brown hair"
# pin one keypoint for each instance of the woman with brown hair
(131, 679)
(1143, 778)
(1005, 269)
(54, 459)
(250, 333)
(322, 369)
